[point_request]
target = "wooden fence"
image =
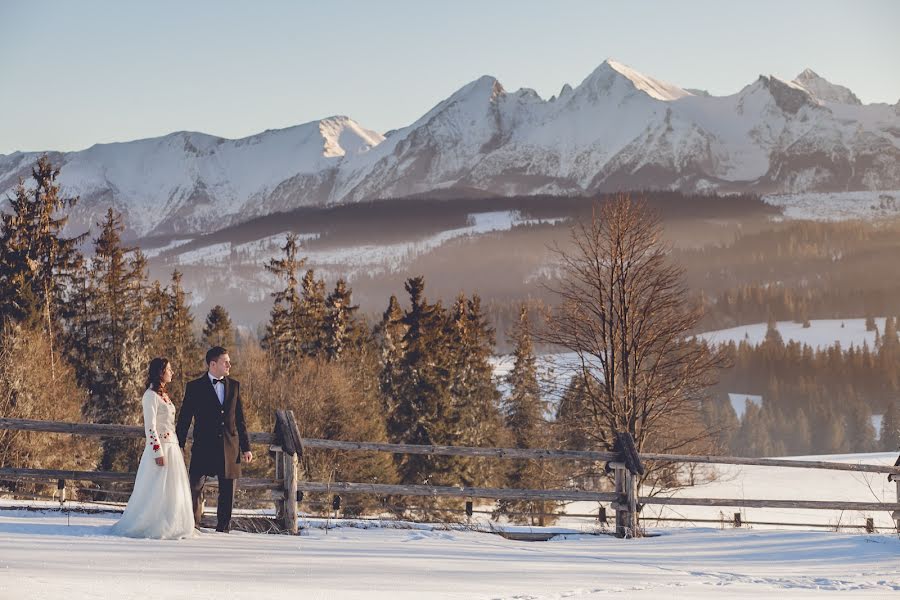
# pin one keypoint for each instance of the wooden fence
(286, 445)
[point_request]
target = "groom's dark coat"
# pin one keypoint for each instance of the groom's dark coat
(220, 432)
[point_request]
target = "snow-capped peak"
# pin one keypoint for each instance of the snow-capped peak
(824, 90)
(650, 86)
(343, 135)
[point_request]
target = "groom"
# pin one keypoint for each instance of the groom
(213, 403)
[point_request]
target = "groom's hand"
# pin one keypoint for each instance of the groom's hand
(161, 461)
(248, 456)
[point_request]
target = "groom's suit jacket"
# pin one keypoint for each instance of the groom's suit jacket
(220, 432)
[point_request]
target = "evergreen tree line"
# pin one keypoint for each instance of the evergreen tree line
(420, 374)
(97, 318)
(814, 401)
(796, 271)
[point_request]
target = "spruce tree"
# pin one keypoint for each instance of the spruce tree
(572, 415)
(524, 410)
(889, 436)
(423, 390)
(182, 348)
(217, 331)
(339, 326)
(114, 377)
(390, 334)
(475, 416)
(311, 328)
(281, 339)
(37, 264)
(860, 432)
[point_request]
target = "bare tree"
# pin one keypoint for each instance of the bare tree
(625, 319)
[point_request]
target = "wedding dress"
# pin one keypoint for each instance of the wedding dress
(160, 503)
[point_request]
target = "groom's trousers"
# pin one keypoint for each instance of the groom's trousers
(225, 503)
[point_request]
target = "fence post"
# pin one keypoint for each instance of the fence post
(621, 503)
(288, 434)
(626, 470)
(278, 495)
(896, 513)
(896, 479)
(289, 467)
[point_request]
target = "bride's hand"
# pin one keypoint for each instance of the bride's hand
(161, 461)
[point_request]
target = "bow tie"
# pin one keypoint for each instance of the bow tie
(215, 381)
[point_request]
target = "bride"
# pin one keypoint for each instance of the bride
(160, 504)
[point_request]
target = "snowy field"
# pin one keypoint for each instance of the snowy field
(42, 555)
(555, 369)
(820, 334)
(838, 206)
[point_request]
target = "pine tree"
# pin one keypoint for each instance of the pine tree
(311, 315)
(182, 349)
(218, 330)
(114, 377)
(38, 264)
(474, 418)
(870, 323)
(339, 325)
(571, 416)
(281, 339)
(524, 411)
(390, 334)
(889, 436)
(423, 390)
(155, 314)
(860, 432)
(773, 336)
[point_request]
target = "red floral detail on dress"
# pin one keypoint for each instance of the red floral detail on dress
(156, 447)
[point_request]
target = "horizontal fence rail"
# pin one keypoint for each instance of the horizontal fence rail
(48, 474)
(286, 446)
(382, 489)
(96, 429)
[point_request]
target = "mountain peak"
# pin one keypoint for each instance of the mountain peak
(486, 85)
(611, 70)
(824, 90)
(790, 96)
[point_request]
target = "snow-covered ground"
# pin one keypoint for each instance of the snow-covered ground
(371, 258)
(838, 206)
(51, 554)
(821, 333)
(555, 369)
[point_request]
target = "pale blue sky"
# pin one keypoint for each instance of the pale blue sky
(76, 73)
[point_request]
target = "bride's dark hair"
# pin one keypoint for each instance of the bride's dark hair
(155, 374)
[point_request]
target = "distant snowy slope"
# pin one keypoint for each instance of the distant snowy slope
(820, 334)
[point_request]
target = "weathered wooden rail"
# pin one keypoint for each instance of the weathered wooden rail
(286, 444)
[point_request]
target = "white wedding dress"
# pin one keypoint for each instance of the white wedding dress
(160, 504)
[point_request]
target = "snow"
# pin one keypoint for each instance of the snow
(876, 425)
(739, 402)
(555, 369)
(838, 206)
(608, 130)
(783, 483)
(48, 554)
(256, 251)
(653, 87)
(152, 252)
(372, 258)
(820, 334)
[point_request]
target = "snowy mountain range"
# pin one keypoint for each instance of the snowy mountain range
(618, 129)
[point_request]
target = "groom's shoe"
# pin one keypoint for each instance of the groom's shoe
(223, 529)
